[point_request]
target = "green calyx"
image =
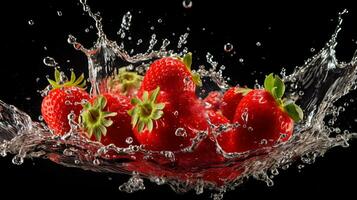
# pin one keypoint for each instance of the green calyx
(243, 91)
(125, 81)
(276, 87)
(59, 83)
(146, 111)
(94, 119)
(187, 60)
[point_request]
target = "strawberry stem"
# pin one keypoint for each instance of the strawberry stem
(146, 111)
(94, 119)
(59, 83)
(125, 80)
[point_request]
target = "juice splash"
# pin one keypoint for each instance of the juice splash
(312, 138)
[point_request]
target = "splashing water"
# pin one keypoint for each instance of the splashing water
(316, 86)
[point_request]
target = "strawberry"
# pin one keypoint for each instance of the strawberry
(213, 100)
(163, 124)
(124, 82)
(172, 75)
(105, 119)
(231, 99)
(62, 99)
(154, 122)
(265, 119)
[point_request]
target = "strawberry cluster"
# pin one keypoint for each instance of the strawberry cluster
(162, 112)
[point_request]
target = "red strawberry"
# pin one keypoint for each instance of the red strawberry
(64, 98)
(161, 123)
(231, 99)
(213, 100)
(265, 119)
(155, 122)
(172, 75)
(124, 82)
(106, 120)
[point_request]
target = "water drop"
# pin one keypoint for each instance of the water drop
(17, 160)
(312, 50)
(129, 140)
(180, 132)
(139, 42)
(264, 142)
(258, 44)
(96, 162)
(241, 60)
(159, 20)
(59, 13)
(187, 3)
(31, 22)
(301, 93)
(86, 30)
(176, 113)
(152, 28)
(228, 47)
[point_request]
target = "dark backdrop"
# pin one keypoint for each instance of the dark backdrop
(286, 33)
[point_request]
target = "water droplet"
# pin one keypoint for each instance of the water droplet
(45, 48)
(40, 118)
(187, 3)
(180, 132)
(228, 47)
(96, 162)
(31, 22)
(59, 13)
(86, 30)
(129, 140)
(139, 42)
(17, 160)
(48, 61)
(77, 162)
(159, 20)
(312, 50)
(258, 44)
(241, 60)
(176, 113)
(152, 28)
(264, 142)
(250, 129)
(301, 93)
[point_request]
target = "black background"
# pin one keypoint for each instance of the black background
(287, 34)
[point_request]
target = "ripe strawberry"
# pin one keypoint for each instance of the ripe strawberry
(63, 98)
(231, 99)
(213, 100)
(161, 123)
(124, 82)
(172, 75)
(105, 119)
(265, 119)
(154, 122)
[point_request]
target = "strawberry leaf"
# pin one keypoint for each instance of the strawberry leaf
(294, 111)
(279, 87)
(269, 82)
(187, 60)
(243, 91)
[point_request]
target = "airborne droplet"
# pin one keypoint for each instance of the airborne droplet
(228, 47)
(187, 3)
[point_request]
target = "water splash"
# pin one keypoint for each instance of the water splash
(317, 86)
